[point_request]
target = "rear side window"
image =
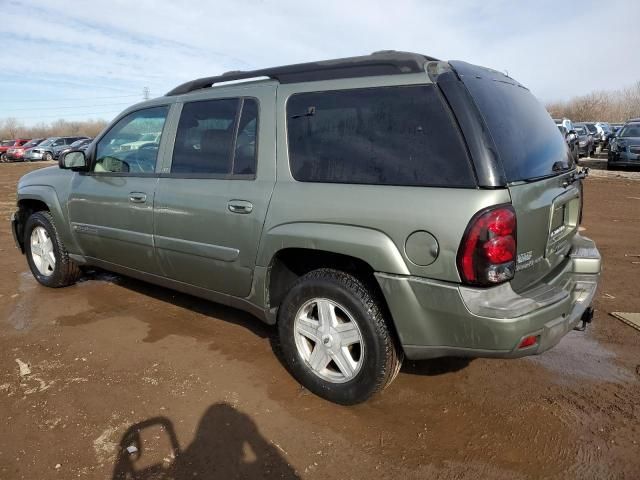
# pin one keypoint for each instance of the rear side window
(524, 134)
(382, 136)
(207, 142)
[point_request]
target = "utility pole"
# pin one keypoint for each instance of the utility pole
(145, 93)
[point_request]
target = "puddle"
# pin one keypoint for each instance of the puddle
(578, 356)
(21, 315)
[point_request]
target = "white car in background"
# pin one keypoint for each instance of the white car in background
(604, 131)
(147, 138)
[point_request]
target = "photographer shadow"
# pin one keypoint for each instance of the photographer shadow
(227, 445)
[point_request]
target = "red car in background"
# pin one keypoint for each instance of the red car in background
(16, 154)
(7, 144)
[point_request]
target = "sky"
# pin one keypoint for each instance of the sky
(91, 59)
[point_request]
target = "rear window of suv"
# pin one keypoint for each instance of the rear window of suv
(524, 134)
(383, 136)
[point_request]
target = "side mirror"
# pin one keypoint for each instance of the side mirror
(73, 160)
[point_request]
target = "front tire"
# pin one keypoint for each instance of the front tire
(335, 339)
(46, 254)
(47, 157)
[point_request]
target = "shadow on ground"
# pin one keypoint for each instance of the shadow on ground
(227, 445)
(160, 326)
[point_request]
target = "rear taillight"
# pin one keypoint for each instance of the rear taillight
(487, 253)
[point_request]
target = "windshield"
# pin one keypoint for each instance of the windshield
(7, 143)
(32, 143)
(632, 130)
(525, 136)
(47, 142)
(580, 130)
(591, 127)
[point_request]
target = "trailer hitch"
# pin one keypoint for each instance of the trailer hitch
(586, 318)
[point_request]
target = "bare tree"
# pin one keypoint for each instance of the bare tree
(11, 128)
(612, 106)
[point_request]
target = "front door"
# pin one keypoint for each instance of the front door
(111, 207)
(211, 204)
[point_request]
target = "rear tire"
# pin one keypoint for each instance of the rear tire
(340, 369)
(46, 254)
(47, 157)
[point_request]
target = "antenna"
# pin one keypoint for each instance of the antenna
(146, 93)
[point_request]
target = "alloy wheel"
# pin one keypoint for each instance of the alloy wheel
(42, 252)
(329, 340)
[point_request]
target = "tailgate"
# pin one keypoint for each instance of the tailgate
(548, 216)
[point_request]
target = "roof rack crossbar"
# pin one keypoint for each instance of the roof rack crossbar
(386, 62)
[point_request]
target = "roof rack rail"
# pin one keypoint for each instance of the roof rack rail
(385, 62)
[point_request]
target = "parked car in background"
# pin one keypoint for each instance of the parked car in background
(604, 131)
(4, 146)
(624, 150)
(7, 144)
(50, 149)
(591, 126)
(81, 145)
(565, 122)
(338, 248)
(586, 145)
(16, 154)
(150, 139)
(571, 139)
(615, 127)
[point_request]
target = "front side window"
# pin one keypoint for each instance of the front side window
(124, 149)
(207, 142)
(382, 136)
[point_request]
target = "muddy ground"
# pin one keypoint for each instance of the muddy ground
(198, 390)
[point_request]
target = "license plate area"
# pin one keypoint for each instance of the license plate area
(563, 222)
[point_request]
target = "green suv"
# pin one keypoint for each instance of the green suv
(371, 208)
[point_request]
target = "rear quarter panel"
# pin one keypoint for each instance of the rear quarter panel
(372, 210)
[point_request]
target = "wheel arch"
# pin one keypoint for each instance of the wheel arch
(292, 250)
(36, 198)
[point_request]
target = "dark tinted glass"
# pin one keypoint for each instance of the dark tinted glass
(204, 140)
(526, 137)
(384, 136)
(32, 143)
(246, 143)
(630, 130)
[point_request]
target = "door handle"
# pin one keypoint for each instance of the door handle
(240, 206)
(137, 197)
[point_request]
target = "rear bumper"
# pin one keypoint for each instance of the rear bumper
(435, 319)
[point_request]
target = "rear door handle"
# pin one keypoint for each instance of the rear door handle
(137, 197)
(240, 206)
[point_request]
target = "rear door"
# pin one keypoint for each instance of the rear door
(212, 200)
(537, 169)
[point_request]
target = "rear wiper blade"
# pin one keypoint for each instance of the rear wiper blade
(560, 166)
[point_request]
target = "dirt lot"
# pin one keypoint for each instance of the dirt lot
(196, 387)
